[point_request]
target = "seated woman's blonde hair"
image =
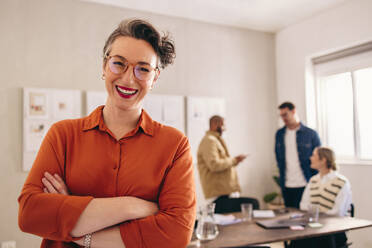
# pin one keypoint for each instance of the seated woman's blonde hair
(329, 156)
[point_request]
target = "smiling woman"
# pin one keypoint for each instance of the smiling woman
(127, 87)
(115, 178)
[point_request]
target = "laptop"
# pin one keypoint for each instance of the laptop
(281, 223)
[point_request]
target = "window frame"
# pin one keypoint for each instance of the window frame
(321, 117)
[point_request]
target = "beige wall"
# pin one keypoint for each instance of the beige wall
(345, 26)
(57, 44)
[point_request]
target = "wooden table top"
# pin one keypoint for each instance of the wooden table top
(249, 233)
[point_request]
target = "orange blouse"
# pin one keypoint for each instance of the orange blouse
(153, 162)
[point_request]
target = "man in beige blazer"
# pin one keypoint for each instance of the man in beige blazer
(216, 168)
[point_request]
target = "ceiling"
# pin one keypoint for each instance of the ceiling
(262, 15)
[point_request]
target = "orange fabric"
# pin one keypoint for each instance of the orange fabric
(153, 162)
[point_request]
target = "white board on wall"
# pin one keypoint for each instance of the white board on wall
(199, 111)
(166, 109)
(94, 99)
(42, 108)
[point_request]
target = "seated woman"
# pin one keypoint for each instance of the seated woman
(328, 189)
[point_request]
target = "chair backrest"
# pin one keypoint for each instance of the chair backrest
(229, 205)
(351, 210)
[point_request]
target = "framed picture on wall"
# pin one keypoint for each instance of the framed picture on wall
(36, 103)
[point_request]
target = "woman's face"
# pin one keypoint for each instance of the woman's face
(316, 162)
(125, 91)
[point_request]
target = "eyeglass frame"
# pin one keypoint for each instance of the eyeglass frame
(108, 57)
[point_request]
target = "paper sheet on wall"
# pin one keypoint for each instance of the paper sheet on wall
(170, 110)
(28, 160)
(43, 107)
(95, 99)
(166, 109)
(199, 110)
(173, 112)
(65, 105)
(35, 131)
(153, 104)
(36, 103)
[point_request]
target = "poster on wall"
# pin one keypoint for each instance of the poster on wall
(35, 130)
(36, 103)
(166, 109)
(42, 108)
(66, 104)
(95, 99)
(199, 110)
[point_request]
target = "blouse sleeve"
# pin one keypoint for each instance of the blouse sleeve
(172, 226)
(50, 216)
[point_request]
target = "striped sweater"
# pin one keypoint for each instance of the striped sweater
(325, 195)
(331, 191)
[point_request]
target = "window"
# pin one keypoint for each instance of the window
(363, 88)
(344, 102)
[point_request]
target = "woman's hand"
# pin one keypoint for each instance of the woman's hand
(54, 184)
(101, 213)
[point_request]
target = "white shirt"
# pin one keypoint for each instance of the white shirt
(343, 199)
(294, 176)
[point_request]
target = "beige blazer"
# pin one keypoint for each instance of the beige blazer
(216, 168)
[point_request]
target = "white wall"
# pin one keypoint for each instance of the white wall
(344, 26)
(57, 44)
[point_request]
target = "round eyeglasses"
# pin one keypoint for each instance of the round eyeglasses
(141, 70)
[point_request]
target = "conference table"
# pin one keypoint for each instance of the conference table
(249, 233)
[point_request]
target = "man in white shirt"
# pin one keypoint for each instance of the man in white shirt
(294, 144)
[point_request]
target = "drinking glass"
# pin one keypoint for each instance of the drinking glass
(313, 213)
(247, 211)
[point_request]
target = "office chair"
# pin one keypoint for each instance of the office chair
(351, 210)
(229, 205)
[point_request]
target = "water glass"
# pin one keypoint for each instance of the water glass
(247, 211)
(313, 213)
